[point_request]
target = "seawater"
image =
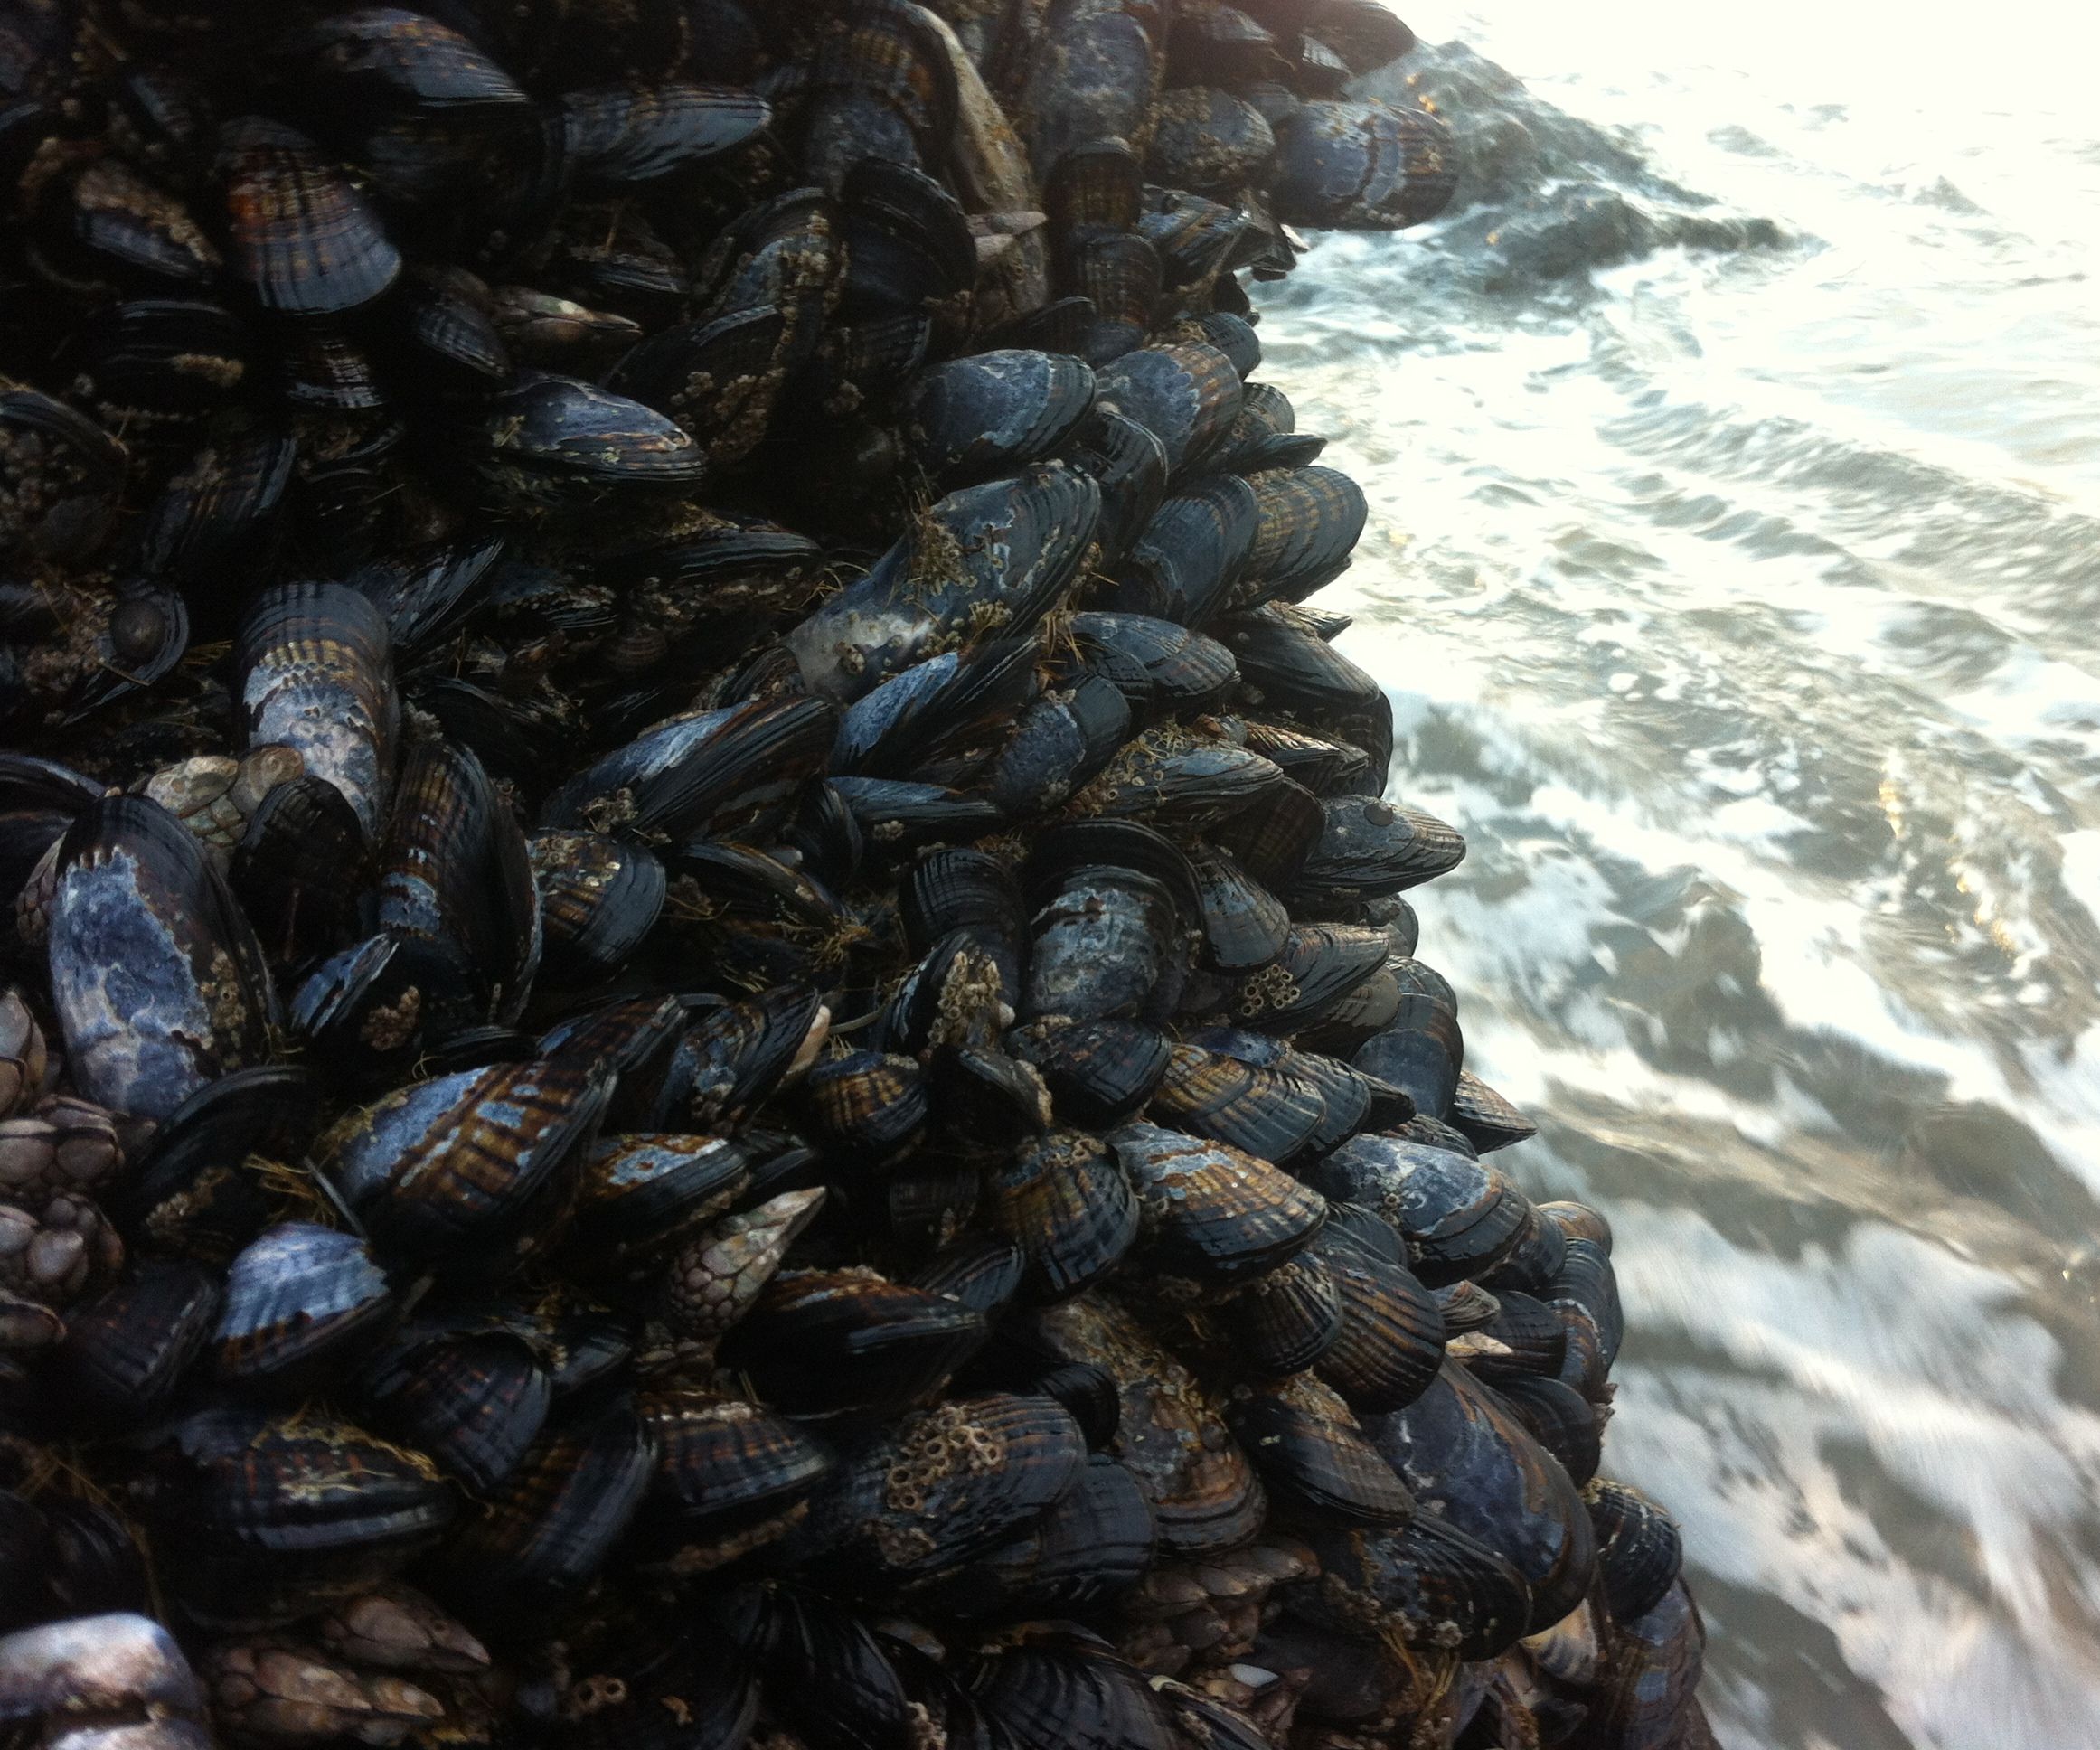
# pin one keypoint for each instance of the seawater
(1733, 454)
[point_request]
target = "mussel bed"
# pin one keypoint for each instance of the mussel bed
(713, 1035)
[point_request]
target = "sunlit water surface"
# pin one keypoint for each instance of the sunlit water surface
(1734, 450)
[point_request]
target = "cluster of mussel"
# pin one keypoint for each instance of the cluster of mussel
(713, 1036)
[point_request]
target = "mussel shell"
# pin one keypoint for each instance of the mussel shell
(1095, 1542)
(1366, 33)
(1465, 1455)
(825, 1673)
(1059, 743)
(1160, 667)
(1187, 394)
(599, 898)
(626, 134)
(194, 1192)
(1099, 1072)
(1319, 965)
(1483, 1117)
(1369, 847)
(530, 1547)
(158, 980)
(1364, 165)
(677, 777)
(983, 1271)
(158, 360)
(1244, 925)
(1063, 1198)
(1640, 1551)
(1419, 1050)
(819, 1343)
(316, 663)
(552, 439)
(1444, 1588)
(868, 1107)
(723, 1463)
(675, 1690)
(455, 885)
(735, 1055)
(1002, 553)
(640, 1195)
(1313, 1458)
(1050, 1696)
(1652, 1670)
(125, 1350)
(297, 867)
(1210, 141)
(1187, 560)
(1210, 1212)
(299, 1300)
(1586, 1280)
(1525, 1337)
(1537, 1257)
(1579, 1221)
(94, 1561)
(1392, 1344)
(474, 1400)
(304, 240)
(1266, 1113)
(946, 1485)
(1309, 519)
(1459, 1217)
(1129, 464)
(1103, 943)
(1561, 1419)
(259, 1521)
(467, 1171)
(1283, 1322)
(1204, 1494)
(975, 416)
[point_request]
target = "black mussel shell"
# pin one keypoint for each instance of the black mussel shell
(1061, 741)
(625, 134)
(599, 898)
(474, 1399)
(1369, 848)
(465, 1172)
(1283, 1322)
(125, 1350)
(825, 1673)
(722, 1465)
(1244, 927)
(868, 1107)
(944, 1485)
(1212, 1213)
(1459, 1217)
(1263, 1112)
(95, 1562)
(1314, 1459)
(1099, 1072)
(548, 441)
(1651, 1667)
(684, 774)
(456, 888)
(1161, 668)
(1210, 141)
(262, 1521)
(1560, 1418)
(985, 1271)
(824, 1343)
(1468, 1458)
(1095, 1542)
(302, 238)
(1364, 165)
(1187, 394)
(640, 1195)
(735, 1055)
(1483, 1117)
(1000, 555)
(1055, 1691)
(1127, 461)
(158, 980)
(299, 1300)
(1309, 519)
(315, 666)
(1205, 1496)
(1439, 1586)
(531, 1546)
(1639, 1550)
(1392, 1344)
(971, 416)
(194, 1192)
(1063, 1198)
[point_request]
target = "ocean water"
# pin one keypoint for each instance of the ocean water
(1734, 452)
